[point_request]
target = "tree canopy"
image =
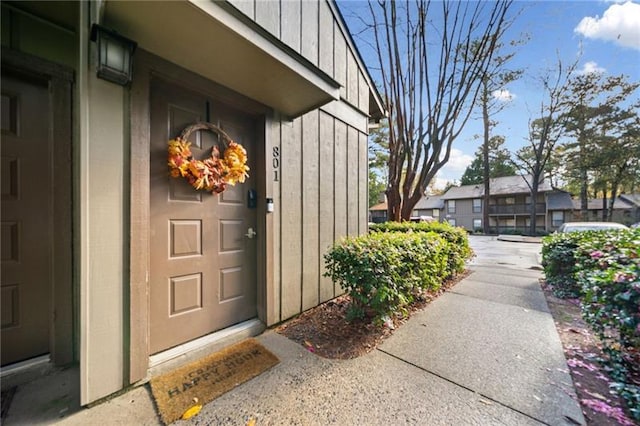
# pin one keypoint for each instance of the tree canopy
(500, 163)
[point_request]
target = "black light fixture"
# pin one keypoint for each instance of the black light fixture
(114, 55)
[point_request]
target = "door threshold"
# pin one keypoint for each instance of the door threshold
(18, 367)
(203, 346)
(25, 371)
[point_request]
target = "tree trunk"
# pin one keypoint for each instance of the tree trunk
(584, 197)
(611, 203)
(393, 205)
(534, 198)
(485, 160)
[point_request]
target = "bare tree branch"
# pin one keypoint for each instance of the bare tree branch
(431, 81)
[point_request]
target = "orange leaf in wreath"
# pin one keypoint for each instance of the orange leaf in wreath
(235, 159)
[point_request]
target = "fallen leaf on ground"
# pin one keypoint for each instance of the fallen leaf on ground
(192, 411)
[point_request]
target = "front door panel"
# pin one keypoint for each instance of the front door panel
(26, 220)
(202, 266)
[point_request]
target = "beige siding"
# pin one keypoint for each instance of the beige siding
(326, 199)
(268, 16)
(245, 6)
(352, 181)
(363, 93)
(274, 175)
(321, 193)
(325, 39)
(363, 187)
(290, 24)
(310, 218)
(323, 197)
(340, 184)
(290, 214)
(340, 60)
(352, 79)
(101, 194)
(310, 30)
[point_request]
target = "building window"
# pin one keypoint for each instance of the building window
(477, 205)
(451, 206)
(435, 213)
(452, 222)
(557, 219)
(510, 200)
(477, 224)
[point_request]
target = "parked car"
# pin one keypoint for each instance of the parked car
(421, 219)
(589, 226)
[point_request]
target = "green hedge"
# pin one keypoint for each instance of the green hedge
(456, 237)
(602, 268)
(559, 262)
(384, 271)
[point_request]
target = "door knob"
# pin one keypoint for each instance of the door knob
(250, 233)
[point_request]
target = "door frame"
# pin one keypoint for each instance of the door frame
(63, 347)
(137, 312)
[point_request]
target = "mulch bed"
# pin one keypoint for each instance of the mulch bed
(324, 330)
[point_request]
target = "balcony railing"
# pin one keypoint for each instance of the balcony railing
(516, 208)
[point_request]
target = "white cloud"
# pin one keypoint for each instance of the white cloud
(503, 95)
(592, 68)
(620, 23)
(440, 183)
(453, 170)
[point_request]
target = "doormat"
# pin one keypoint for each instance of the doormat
(7, 397)
(209, 377)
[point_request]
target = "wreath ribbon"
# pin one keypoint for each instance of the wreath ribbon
(213, 173)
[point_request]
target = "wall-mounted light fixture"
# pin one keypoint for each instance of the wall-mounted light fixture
(114, 55)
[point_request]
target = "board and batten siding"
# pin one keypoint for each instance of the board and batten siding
(319, 168)
(320, 196)
(311, 28)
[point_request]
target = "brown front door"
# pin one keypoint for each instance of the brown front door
(203, 253)
(27, 236)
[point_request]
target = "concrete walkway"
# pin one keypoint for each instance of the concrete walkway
(484, 353)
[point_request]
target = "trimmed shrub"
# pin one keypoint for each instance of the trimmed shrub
(383, 271)
(458, 241)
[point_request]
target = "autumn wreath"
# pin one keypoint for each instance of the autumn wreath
(213, 173)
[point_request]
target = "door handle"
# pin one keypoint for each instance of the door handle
(250, 233)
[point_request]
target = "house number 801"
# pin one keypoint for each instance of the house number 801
(276, 163)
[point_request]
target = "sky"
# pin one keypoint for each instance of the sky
(604, 36)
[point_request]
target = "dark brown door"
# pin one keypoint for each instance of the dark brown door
(202, 266)
(26, 220)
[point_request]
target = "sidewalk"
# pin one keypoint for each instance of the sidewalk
(484, 353)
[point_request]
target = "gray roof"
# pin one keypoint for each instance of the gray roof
(631, 198)
(559, 200)
(506, 185)
(596, 204)
(431, 202)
